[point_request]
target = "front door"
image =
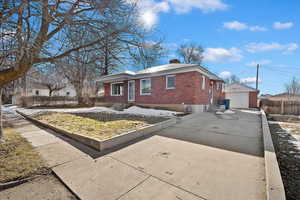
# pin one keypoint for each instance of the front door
(131, 90)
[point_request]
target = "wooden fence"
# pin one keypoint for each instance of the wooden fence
(31, 101)
(280, 107)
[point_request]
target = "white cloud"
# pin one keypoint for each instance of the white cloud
(279, 25)
(239, 26)
(235, 25)
(261, 62)
(257, 28)
(222, 55)
(185, 6)
(261, 46)
(225, 75)
(249, 80)
(171, 46)
(291, 47)
(150, 9)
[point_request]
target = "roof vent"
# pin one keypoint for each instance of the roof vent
(174, 61)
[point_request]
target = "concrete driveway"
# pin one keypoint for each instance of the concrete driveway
(210, 157)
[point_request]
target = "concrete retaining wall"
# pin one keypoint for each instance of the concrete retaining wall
(101, 145)
(274, 184)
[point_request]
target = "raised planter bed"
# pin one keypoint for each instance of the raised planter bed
(274, 184)
(103, 144)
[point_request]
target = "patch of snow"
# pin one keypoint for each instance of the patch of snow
(250, 111)
(147, 111)
(229, 112)
(131, 110)
(219, 113)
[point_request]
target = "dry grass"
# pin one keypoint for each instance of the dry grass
(295, 129)
(18, 159)
(90, 127)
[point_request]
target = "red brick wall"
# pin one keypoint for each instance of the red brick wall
(115, 99)
(253, 99)
(188, 90)
(186, 85)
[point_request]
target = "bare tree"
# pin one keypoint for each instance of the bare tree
(293, 88)
(80, 66)
(50, 78)
(145, 54)
(232, 79)
(32, 30)
(190, 53)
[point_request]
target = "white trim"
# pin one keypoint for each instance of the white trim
(121, 89)
(132, 81)
(170, 88)
(144, 94)
(203, 85)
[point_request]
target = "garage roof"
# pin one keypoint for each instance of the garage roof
(239, 87)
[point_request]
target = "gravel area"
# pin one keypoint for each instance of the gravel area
(286, 139)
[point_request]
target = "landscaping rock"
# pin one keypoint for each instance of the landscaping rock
(119, 106)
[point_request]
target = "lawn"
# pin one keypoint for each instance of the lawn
(87, 126)
(18, 160)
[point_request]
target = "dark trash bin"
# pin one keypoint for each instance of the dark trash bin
(227, 103)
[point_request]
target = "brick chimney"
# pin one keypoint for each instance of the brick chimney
(174, 61)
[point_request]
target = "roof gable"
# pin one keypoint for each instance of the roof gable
(239, 87)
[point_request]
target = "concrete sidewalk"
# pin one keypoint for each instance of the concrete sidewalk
(208, 157)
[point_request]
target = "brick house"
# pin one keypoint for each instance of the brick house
(173, 86)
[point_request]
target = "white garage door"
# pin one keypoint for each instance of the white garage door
(238, 99)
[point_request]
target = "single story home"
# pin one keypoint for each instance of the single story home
(285, 97)
(176, 86)
(241, 95)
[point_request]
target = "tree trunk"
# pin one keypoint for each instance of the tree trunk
(1, 125)
(79, 95)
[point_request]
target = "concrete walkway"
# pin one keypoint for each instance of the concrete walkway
(207, 157)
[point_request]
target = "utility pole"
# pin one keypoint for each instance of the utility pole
(257, 68)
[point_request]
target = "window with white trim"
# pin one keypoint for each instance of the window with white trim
(170, 82)
(116, 89)
(145, 86)
(203, 82)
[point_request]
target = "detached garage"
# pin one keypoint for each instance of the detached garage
(241, 96)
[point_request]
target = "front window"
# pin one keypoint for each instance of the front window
(37, 92)
(116, 89)
(170, 82)
(145, 86)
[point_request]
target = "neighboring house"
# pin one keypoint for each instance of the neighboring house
(28, 86)
(173, 86)
(285, 97)
(265, 96)
(241, 95)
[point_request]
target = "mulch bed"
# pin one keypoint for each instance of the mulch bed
(288, 156)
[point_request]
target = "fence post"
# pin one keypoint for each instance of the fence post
(282, 107)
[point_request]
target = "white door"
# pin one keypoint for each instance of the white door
(131, 90)
(238, 99)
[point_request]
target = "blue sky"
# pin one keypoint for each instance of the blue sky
(235, 34)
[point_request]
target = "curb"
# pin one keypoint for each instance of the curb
(109, 143)
(274, 184)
